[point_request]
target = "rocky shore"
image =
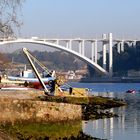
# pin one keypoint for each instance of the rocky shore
(93, 107)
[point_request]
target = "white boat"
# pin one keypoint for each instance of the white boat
(29, 79)
(26, 79)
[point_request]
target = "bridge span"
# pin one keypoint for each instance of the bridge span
(107, 44)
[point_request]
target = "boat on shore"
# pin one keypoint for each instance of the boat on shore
(29, 78)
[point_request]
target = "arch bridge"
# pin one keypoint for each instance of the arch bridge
(92, 61)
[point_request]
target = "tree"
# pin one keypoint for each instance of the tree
(3, 61)
(126, 60)
(8, 21)
(9, 17)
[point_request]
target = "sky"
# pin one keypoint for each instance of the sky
(80, 18)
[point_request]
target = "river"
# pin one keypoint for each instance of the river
(124, 127)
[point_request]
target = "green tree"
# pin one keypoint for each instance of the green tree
(127, 60)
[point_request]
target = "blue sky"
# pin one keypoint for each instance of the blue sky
(81, 18)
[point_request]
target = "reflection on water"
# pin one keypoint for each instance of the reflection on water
(107, 94)
(126, 126)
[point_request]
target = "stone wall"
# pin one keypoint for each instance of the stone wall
(19, 110)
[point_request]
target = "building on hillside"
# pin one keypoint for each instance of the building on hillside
(70, 75)
(78, 74)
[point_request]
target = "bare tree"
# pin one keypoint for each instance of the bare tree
(9, 17)
(10, 13)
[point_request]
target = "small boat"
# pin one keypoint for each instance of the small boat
(30, 80)
(131, 91)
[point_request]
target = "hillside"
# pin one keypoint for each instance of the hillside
(53, 60)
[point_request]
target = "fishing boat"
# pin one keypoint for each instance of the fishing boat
(29, 78)
(46, 80)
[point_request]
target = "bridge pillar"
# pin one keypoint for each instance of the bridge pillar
(81, 47)
(92, 51)
(57, 41)
(104, 51)
(110, 55)
(118, 47)
(70, 44)
(67, 44)
(95, 51)
(134, 43)
(122, 46)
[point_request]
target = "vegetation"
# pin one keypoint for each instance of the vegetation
(127, 60)
(9, 17)
(48, 131)
(94, 100)
(92, 107)
(123, 61)
(53, 60)
(8, 21)
(3, 61)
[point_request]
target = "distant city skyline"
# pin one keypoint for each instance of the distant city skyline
(81, 18)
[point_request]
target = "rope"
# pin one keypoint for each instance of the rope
(49, 72)
(40, 64)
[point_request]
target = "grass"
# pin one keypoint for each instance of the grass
(42, 131)
(94, 100)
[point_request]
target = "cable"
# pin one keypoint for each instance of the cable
(49, 72)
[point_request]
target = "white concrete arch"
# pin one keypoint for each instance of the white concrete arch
(35, 41)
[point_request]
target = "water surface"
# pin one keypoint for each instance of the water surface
(124, 127)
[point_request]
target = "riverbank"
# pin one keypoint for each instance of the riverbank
(47, 131)
(111, 80)
(26, 107)
(93, 107)
(26, 115)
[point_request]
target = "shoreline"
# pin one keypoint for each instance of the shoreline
(92, 108)
(107, 80)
